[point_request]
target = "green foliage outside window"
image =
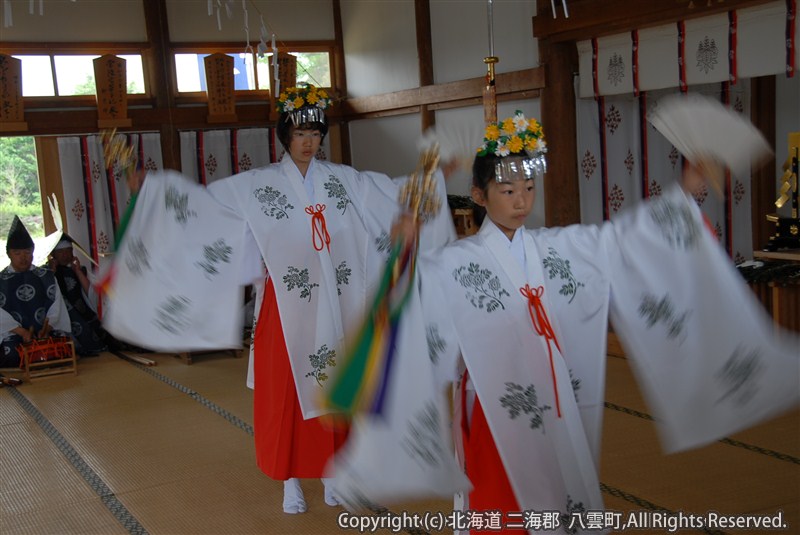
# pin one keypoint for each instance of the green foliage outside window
(19, 186)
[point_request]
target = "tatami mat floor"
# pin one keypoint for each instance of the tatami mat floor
(168, 449)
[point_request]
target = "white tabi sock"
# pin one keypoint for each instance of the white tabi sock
(330, 495)
(293, 500)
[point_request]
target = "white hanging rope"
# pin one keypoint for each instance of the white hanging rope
(262, 44)
(276, 83)
(563, 5)
(8, 20)
(247, 48)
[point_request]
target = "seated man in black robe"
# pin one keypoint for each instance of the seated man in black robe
(81, 299)
(31, 304)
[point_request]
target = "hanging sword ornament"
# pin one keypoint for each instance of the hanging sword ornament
(490, 90)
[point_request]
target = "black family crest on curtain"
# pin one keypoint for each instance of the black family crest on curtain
(96, 195)
(208, 155)
(622, 159)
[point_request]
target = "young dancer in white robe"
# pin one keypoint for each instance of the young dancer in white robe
(518, 318)
(322, 231)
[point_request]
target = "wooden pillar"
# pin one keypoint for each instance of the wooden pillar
(561, 188)
(50, 182)
(157, 63)
(340, 132)
(422, 10)
(763, 191)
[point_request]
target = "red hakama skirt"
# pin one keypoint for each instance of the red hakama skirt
(287, 446)
(491, 489)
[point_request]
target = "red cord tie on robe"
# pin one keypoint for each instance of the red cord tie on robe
(542, 325)
(319, 230)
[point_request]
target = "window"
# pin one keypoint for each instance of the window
(74, 74)
(19, 188)
(191, 72)
(37, 76)
(314, 68)
(251, 72)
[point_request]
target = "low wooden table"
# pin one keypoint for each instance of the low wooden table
(187, 356)
(784, 299)
(47, 357)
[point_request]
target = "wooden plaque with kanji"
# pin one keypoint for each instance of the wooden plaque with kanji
(111, 84)
(287, 75)
(12, 111)
(219, 88)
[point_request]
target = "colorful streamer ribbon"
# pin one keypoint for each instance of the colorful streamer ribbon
(364, 373)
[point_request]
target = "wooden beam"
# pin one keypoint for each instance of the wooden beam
(517, 82)
(71, 122)
(596, 18)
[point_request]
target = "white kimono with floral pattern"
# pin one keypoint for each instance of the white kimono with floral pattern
(188, 250)
(706, 355)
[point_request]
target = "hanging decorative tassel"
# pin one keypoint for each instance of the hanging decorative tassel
(363, 375)
(360, 384)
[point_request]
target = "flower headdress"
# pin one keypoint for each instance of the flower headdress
(304, 104)
(519, 142)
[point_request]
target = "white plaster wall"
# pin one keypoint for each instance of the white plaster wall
(386, 144)
(382, 57)
(460, 37)
(189, 21)
(74, 22)
(390, 144)
(467, 123)
(380, 46)
(289, 20)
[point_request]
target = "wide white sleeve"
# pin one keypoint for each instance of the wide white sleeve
(57, 314)
(380, 205)
(91, 296)
(440, 333)
(177, 281)
(406, 452)
(251, 262)
(705, 352)
(7, 323)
